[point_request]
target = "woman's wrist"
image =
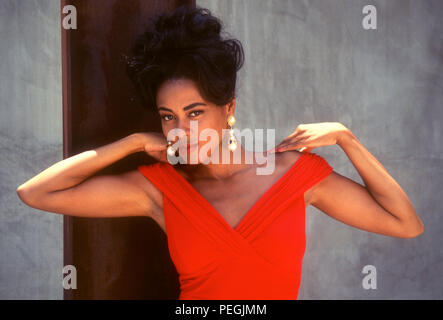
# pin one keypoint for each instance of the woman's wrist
(345, 136)
(136, 142)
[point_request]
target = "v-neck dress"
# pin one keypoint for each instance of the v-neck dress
(259, 259)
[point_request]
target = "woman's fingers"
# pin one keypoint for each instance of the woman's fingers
(155, 148)
(292, 136)
(291, 145)
(295, 144)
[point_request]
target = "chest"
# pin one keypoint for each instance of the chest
(231, 200)
(234, 199)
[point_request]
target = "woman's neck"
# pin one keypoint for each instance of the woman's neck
(221, 171)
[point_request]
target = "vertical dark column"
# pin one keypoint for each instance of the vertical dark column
(115, 258)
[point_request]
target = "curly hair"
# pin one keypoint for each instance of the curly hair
(185, 43)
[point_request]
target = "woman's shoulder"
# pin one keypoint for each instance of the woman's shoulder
(292, 156)
(311, 164)
(288, 158)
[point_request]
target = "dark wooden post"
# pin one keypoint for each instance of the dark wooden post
(115, 258)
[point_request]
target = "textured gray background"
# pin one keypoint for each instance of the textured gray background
(31, 241)
(311, 61)
(306, 61)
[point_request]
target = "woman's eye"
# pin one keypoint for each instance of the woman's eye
(165, 117)
(196, 111)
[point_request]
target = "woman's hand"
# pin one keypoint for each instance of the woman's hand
(312, 135)
(154, 144)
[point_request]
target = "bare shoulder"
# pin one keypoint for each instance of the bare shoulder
(135, 177)
(288, 158)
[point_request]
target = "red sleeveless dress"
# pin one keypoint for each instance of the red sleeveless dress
(259, 259)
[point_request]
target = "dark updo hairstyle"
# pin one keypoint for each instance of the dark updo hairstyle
(185, 43)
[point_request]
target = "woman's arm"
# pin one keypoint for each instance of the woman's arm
(381, 206)
(68, 188)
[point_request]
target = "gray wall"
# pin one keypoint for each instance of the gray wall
(305, 62)
(31, 241)
(311, 61)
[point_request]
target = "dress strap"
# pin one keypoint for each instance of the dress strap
(316, 170)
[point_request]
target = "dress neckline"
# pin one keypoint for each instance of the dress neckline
(257, 204)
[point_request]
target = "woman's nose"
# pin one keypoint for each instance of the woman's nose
(181, 134)
(186, 127)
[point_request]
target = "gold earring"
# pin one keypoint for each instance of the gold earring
(232, 139)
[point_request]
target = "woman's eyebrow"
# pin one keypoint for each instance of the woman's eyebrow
(192, 105)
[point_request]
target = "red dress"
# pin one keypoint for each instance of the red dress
(261, 258)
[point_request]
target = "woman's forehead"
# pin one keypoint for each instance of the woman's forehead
(179, 92)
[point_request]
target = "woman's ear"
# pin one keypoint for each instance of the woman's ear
(231, 106)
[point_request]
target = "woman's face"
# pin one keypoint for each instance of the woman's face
(179, 102)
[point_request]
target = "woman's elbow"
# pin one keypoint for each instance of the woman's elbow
(25, 195)
(415, 231)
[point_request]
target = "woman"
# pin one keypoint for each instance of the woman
(232, 234)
